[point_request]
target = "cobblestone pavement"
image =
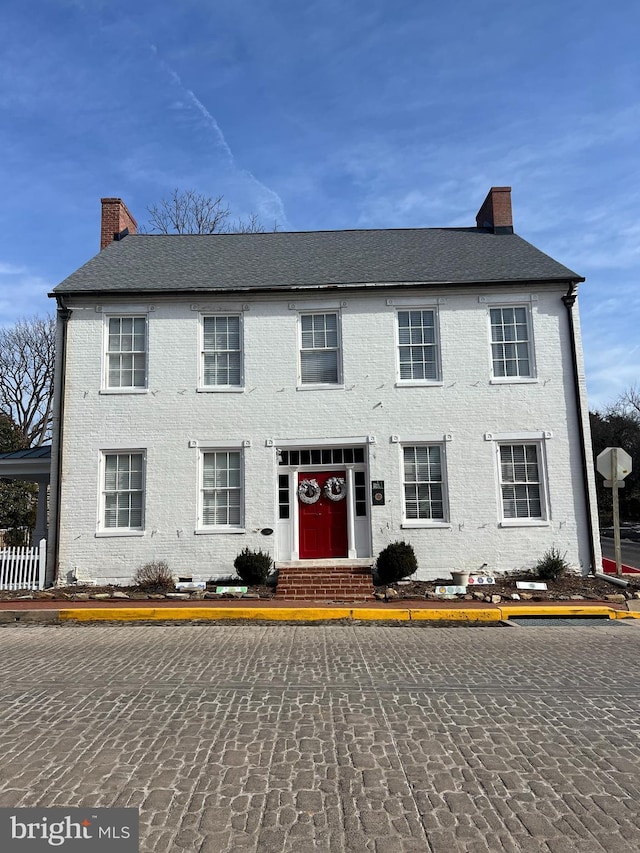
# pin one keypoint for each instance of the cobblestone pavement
(324, 738)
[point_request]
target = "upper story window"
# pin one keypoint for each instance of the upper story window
(418, 353)
(521, 481)
(127, 352)
(221, 352)
(424, 483)
(511, 343)
(320, 349)
(123, 491)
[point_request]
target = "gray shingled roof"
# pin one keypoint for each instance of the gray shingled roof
(288, 260)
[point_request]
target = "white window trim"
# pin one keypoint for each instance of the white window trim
(216, 529)
(105, 387)
(513, 380)
(319, 386)
(538, 440)
(419, 383)
(103, 532)
(426, 523)
(219, 389)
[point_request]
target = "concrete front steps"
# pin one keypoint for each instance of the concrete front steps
(329, 581)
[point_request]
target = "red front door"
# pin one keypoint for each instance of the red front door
(323, 523)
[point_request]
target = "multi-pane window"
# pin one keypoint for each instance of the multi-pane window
(221, 488)
(511, 342)
(418, 345)
(424, 483)
(127, 352)
(320, 349)
(521, 481)
(221, 351)
(123, 491)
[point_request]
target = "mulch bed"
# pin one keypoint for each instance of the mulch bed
(567, 588)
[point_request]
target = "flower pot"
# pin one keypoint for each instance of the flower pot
(460, 578)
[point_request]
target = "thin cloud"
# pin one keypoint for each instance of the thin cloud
(273, 206)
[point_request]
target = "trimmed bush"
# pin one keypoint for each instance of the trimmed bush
(396, 561)
(253, 566)
(154, 575)
(552, 565)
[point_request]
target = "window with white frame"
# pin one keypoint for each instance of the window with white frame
(221, 488)
(221, 351)
(319, 349)
(126, 352)
(123, 490)
(511, 342)
(521, 481)
(424, 498)
(418, 346)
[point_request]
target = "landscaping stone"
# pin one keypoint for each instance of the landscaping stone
(391, 593)
(119, 594)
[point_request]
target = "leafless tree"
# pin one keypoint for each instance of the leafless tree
(189, 212)
(26, 377)
(629, 401)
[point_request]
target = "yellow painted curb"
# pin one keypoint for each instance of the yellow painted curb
(558, 610)
(319, 614)
(480, 614)
(275, 614)
(131, 614)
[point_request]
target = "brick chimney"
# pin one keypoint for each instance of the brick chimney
(495, 212)
(115, 218)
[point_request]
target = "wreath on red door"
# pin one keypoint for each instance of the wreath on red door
(335, 489)
(308, 491)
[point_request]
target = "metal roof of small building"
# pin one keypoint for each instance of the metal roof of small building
(145, 263)
(43, 452)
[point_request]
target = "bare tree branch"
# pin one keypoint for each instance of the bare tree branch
(26, 377)
(189, 212)
(629, 400)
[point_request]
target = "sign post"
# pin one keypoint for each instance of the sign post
(614, 464)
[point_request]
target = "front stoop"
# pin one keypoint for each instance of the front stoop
(324, 583)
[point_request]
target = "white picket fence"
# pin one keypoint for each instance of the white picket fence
(23, 568)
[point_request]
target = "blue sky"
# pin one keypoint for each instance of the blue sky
(332, 114)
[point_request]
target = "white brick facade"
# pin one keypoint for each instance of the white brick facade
(172, 421)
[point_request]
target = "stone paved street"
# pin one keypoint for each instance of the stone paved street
(331, 738)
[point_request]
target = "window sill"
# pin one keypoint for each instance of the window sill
(109, 534)
(108, 391)
(209, 531)
(513, 380)
(524, 522)
(220, 389)
(433, 525)
(419, 383)
(327, 386)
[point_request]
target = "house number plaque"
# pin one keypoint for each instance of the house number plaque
(377, 492)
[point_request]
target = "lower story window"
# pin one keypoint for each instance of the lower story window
(521, 481)
(123, 491)
(423, 483)
(221, 488)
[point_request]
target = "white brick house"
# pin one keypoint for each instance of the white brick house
(436, 373)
